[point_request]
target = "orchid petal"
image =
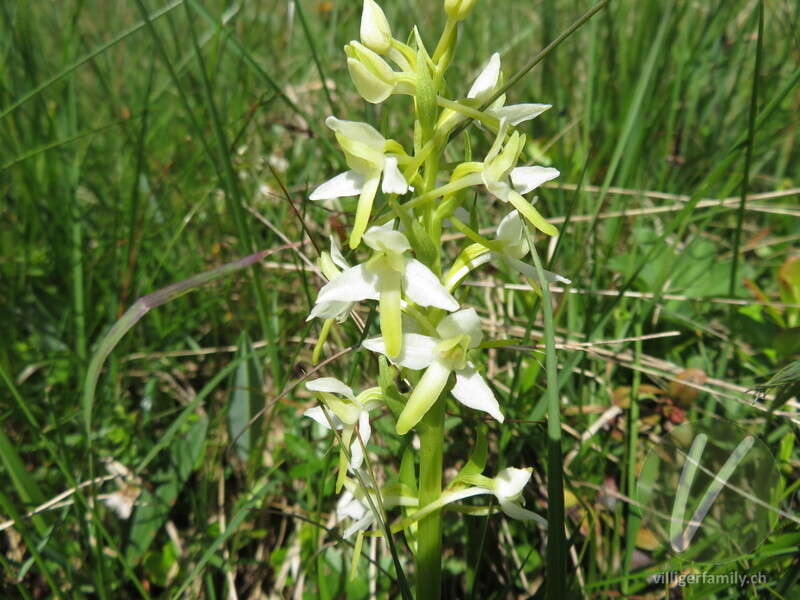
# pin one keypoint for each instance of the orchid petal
(527, 179)
(529, 271)
(464, 321)
(518, 113)
(473, 392)
(416, 354)
(424, 288)
(337, 257)
(393, 180)
(485, 83)
(333, 309)
(351, 285)
(331, 385)
(343, 185)
(515, 511)
(318, 414)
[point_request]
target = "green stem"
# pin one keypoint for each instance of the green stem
(429, 540)
(556, 582)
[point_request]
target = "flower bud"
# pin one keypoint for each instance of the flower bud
(458, 9)
(373, 77)
(375, 31)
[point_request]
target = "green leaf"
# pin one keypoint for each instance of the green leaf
(153, 507)
(245, 399)
(476, 463)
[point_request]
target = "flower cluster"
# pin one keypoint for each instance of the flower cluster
(432, 341)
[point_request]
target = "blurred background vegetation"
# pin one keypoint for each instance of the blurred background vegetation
(144, 142)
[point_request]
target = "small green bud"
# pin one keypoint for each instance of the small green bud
(375, 31)
(373, 77)
(458, 9)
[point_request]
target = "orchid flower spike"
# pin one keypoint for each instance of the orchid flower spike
(440, 356)
(513, 244)
(345, 411)
(371, 160)
(384, 277)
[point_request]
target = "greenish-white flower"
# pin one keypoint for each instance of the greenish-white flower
(510, 246)
(506, 487)
(332, 264)
(346, 412)
(440, 356)
(507, 182)
(386, 275)
(372, 160)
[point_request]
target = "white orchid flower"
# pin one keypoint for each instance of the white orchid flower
(353, 504)
(513, 245)
(487, 83)
(330, 264)
(384, 277)
(504, 180)
(372, 160)
(506, 487)
(345, 411)
(441, 356)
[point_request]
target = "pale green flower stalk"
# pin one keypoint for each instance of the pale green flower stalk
(431, 339)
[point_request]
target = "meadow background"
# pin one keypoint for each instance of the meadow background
(145, 142)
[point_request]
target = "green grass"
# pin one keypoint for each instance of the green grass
(136, 140)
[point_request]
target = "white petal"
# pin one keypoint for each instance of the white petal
(330, 384)
(318, 415)
(356, 454)
(417, 352)
(360, 132)
(359, 525)
(334, 309)
(352, 285)
(519, 113)
(348, 506)
(511, 481)
(382, 238)
(424, 288)
(471, 390)
(393, 180)
(346, 184)
(526, 179)
(465, 321)
(510, 229)
(336, 255)
(529, 271)
(515, 511)
(484, 84)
